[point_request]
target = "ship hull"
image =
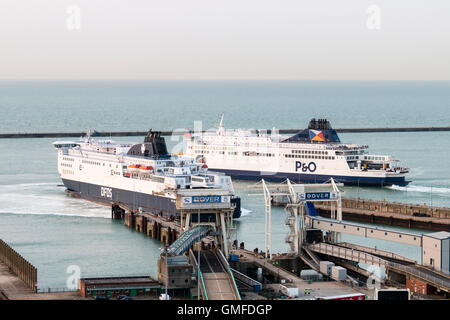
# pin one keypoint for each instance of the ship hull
(314, 178)
(106, 195)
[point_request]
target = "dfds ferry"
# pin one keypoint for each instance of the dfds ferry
(138, 176)
(313, 155)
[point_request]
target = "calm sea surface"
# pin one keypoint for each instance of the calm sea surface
(54, 231)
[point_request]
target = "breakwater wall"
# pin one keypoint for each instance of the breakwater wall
(182, 132)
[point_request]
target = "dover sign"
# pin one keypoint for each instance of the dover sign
(317, 196)
(206, 199)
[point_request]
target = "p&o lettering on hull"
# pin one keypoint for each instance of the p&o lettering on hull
(311, 167)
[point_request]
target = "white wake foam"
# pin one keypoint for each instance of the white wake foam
(245, 212)
(421, 189)
(46, 198)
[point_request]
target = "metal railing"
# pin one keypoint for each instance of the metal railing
(202, 288)
(416, 272)
(245, 279)
(18, 265)
(53, 290)
(375, 251)
(187, 239)
(225, 264)
(348, 254)
(200, 280)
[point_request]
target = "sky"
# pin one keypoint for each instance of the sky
(225, 39)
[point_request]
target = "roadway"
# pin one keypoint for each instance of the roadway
(218, 282)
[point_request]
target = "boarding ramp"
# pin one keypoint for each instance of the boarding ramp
(187, 239)
(308, 261)
(347, 254)
(246, 280)
(215, 277)
(391, 256)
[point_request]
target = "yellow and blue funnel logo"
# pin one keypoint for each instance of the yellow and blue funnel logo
(316, 135)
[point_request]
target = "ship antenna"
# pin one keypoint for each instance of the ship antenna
(220, 127)
(88, 135)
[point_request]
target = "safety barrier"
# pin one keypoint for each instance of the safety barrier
(224, 262)
(18, 265)
(193, 261)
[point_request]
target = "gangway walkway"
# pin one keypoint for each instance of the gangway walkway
(187, 239)
(391, 256)
(217, 277)
(348, 254)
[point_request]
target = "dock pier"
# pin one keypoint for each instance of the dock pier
(413, 216)
(210, 236)
(157, 227)
(315, 228)
(406, 215)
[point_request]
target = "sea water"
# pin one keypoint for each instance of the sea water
(54, 231)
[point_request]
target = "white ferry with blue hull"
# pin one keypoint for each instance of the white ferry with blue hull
(141, 175)
(313, 155)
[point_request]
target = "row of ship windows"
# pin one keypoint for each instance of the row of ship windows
(257, 154)
(92, 162)
(301, 156)
(373, 158)
(67, 171)
(234, 153)
(68, 159)
(229, 153)
(66, 165)
(95, 163)
(215, 148)
(309, 152)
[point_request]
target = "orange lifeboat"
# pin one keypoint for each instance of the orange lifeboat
(146, 168)
(133, 167)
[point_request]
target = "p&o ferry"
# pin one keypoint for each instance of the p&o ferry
(313, 155)
(142, 176)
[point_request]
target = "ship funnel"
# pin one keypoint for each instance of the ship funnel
(319, 124)
(154, 146)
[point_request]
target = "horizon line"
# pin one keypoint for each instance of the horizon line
(229, 80)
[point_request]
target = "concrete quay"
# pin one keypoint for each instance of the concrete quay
(12, 288)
